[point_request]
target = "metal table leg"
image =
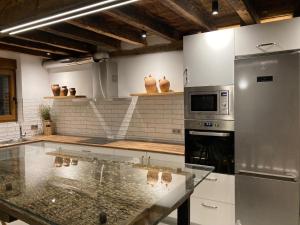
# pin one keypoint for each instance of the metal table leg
(183, 213)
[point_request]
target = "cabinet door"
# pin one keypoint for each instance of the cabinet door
(209, 58)
(269, 37)
(217, 187)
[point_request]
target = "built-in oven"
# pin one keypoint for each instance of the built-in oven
(210, 102)
(211, 143)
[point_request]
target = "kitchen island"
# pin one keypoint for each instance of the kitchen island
(42, 186)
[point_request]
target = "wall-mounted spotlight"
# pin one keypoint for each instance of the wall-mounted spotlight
(215, 7)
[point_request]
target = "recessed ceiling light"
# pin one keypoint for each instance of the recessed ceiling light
(215, 7)
(61, 17)
(144, 35)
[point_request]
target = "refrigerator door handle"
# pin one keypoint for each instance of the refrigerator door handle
(285, 177)
(214, 134)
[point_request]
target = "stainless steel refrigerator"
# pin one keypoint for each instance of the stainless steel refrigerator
(267, 143)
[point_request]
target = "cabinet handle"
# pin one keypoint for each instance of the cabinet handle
(211, 179)
(149, 158)
(266, 44)
(85, 151)
(142, 160)
(209, 206)
(185, 75)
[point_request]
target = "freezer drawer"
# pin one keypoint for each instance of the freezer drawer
(262, 201)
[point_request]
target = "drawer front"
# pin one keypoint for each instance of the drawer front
(217, 187)
(207, 212)
(273, 37)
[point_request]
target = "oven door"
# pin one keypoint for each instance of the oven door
(211, 148)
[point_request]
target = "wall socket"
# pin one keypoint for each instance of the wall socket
(34, 127)
(176, 131)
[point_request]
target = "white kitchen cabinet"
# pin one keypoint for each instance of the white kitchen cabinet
(209, 58)
(274, 37)
(217, 187)
(206, 212)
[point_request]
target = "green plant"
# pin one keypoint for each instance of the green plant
(45, 112)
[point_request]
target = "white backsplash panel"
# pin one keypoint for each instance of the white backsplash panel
(139, 118)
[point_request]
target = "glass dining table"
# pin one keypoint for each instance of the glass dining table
(43, 185)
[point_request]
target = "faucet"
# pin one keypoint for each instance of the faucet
(21, 132)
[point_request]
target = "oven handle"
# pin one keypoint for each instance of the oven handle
(214, 134)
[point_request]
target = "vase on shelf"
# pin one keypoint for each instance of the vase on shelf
(55, 89)
(64, 91)
(72, 91)
(47, 127)
(164, 85)
(150, 84)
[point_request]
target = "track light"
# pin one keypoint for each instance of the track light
(68, 15)
(215, 7)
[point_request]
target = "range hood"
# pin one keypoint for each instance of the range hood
(104, 73)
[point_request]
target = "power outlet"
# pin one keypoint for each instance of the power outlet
(34, 127)
(176, 131)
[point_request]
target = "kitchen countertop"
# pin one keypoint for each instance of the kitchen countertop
(175, 149)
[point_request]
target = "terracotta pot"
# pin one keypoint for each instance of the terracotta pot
(72, 91)
(150, 84)
(164, 85)
(58, 161)
(67, 161)
(55, 89)
(152, 177)
(166, 177)
(64, 91)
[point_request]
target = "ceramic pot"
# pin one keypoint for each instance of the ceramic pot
(67, 161)
(64, 91)
(164, 85)
(166, 178)
(150, 84)
(55, 89)
(72, 91)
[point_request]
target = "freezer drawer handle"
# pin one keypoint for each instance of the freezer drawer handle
(214, 134)
(209, 206)
(266, 44)
(268, 175)
(211, 179)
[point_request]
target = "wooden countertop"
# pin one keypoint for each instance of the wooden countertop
(175, 149)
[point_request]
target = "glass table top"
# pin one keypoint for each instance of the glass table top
(51, 183)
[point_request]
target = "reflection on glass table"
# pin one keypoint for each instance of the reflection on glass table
(43, 185)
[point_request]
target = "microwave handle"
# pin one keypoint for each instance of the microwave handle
(214, 134)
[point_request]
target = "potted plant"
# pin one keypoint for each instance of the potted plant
(46, 119)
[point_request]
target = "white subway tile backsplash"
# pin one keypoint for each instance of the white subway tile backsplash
(139, 118)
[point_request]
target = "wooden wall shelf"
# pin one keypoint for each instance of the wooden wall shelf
(65, 97)
(157, 94)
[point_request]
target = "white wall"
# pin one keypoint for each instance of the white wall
(133, 69)
(35, 79)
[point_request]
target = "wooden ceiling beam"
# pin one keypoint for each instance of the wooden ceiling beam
(188, 11)
(139, 19)
(79, 34)
(100, 26)
(36, 46)
(245, 10)
(57, 41)
(175, 46)
(27, 51)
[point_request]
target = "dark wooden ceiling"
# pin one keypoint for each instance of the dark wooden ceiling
(119, 30)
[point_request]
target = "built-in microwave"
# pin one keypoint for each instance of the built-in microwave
(210, 102)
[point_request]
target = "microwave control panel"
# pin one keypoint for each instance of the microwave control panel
(224, 102)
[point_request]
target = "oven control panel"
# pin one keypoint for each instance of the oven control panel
(224, 102)
(209, 124)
